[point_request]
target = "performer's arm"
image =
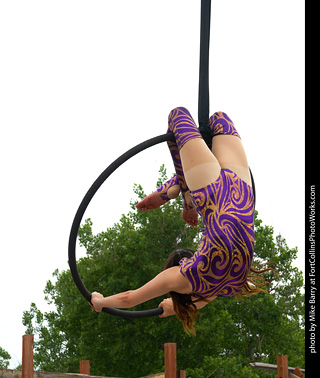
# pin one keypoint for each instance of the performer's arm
(169, 280)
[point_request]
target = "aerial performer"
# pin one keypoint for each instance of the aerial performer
(216, 185)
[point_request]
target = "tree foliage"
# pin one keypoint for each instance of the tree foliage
(230, 333)
(4, 359)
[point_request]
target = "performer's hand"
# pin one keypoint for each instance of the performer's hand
(96, 301)
(167, 306)
(190, 216)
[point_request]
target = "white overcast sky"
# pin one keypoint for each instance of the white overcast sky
(81, 82)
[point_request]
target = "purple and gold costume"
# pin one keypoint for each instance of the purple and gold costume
(178, 119)
(222, 262)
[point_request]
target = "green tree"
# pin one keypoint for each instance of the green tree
(4, 359)
(125, 256)
(221, 367)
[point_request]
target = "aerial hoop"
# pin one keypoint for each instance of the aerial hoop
(78, 217)
(203, 116)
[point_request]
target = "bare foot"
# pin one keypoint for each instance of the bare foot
(152, 201)
(190, 216)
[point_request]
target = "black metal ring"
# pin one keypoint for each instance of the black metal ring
(78, 217)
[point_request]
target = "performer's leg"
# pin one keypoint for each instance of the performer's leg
(227, 146)
(189, 213)
(198, 165)
(170, 190)
(175, 154)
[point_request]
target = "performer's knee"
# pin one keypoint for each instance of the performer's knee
(179, 111)
(182, 125)
(221, 124)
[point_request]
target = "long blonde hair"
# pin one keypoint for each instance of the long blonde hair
(256, 284)
(183, 305)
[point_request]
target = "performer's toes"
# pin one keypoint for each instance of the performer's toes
(152, 201)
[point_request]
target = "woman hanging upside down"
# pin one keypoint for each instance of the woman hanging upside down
(216, 184)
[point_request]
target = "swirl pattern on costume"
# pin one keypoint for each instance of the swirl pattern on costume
(184, 128)
(220, 123)
(222, 262)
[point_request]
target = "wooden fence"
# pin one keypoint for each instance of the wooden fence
(282, 368)
(170, 366)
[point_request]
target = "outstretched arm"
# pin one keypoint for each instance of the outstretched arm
(169, 280)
